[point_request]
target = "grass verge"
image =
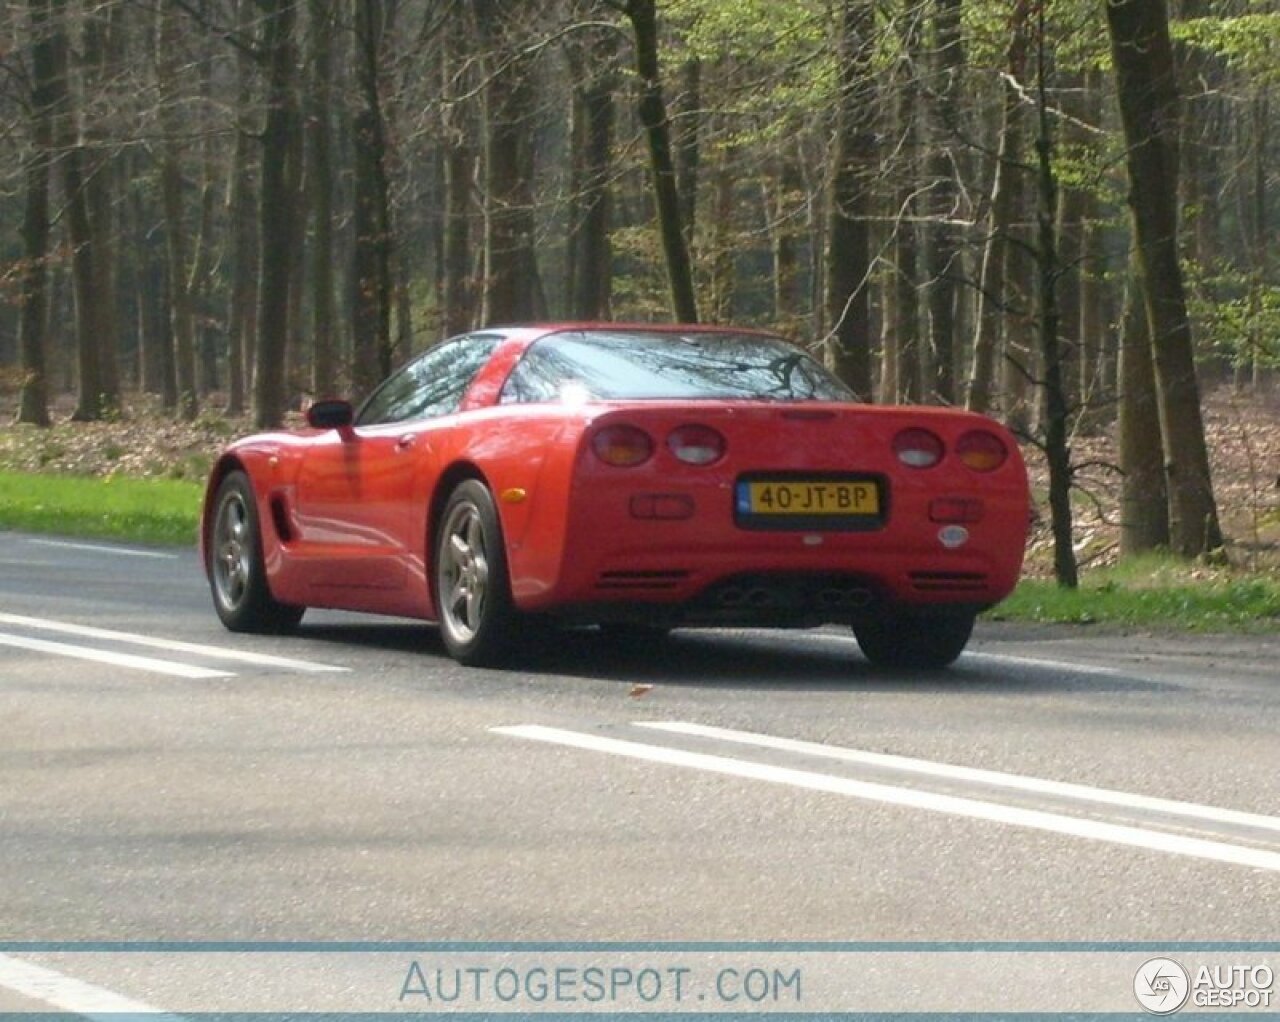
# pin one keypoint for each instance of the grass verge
(1157, 592)
(154, 511)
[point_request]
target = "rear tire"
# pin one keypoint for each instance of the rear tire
(914, 639)
(237, 570)
(472, 585)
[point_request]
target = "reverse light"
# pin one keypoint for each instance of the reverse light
(955, 510)
(668, 506)
(917, 448)
(981, 451)
(696, 445)
(622, 446)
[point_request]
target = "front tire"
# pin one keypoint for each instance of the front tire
(472, 584)
(914, 639)
(237, 570)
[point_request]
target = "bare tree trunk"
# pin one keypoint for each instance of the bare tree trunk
(849, 240)
(1095, 370)
(1144, 497)
(459, 290)
(167, 40)
(371, 302)
(942, 252)
(241, 205)
(1057, 413)
(722, 241)
(1143, 58)
(902, 379)
(89, 405)
(319, 132)
(688, 146)
(278, 211)
(657, 127)
(101, 32)
(590, 256)
(1007, 194)
(33, 324)
(513, 289)
(781, 207)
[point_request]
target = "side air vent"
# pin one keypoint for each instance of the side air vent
(641, 581)
(948, 581)
(280, 519)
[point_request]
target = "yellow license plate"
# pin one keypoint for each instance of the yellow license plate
(811, 498)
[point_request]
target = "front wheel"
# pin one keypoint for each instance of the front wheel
(237, 573)
(914, 639)
(473, 587)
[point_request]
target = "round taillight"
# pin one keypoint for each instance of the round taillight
(696, 445)
(917, 448)
(622, 446)
(981, 451)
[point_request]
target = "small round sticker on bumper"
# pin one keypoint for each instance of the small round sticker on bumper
(952, 536)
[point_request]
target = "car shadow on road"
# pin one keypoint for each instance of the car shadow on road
(728, 659)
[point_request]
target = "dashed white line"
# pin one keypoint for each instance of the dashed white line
(1136, 837)
(992, 778)
(107, 656)
(70, 994)
(170, 645)
(102, 548)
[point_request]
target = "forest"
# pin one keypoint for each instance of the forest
(1057, 212)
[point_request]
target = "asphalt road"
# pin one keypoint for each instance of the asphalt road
(365, 787)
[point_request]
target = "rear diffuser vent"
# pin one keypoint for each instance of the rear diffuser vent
(948, 581)
(646, 581)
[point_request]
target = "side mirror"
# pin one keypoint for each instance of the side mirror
(331, 414)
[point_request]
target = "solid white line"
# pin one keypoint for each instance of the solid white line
(172, 645)
(70, 994)
(1056, 665)
(1024, 661)
(103, 548)
(1136, 837)
(104, 656)
(1017, 782)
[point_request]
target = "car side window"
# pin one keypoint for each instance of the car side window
(539, 376)
(432, 384)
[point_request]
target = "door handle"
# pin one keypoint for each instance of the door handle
(406, 441)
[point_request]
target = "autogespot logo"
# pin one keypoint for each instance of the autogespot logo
(1161, 986)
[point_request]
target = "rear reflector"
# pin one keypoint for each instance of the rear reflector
(981, 451)
(917, 448)
(696, 445)
(955, 510)
(668, 506)
(622, 446)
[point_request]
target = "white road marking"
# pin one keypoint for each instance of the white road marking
(74, 995)
(1016, 782)
(102, 548)
(1056, 665)
(1023, 661)
(106, 656)
(171, 645)
(1137, 837)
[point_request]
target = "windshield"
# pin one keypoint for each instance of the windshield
(636, 365)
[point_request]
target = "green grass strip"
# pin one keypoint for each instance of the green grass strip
(1240, 603)
(155, 511)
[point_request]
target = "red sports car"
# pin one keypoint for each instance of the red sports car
(638, 478)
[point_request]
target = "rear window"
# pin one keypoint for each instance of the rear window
(635, 365)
